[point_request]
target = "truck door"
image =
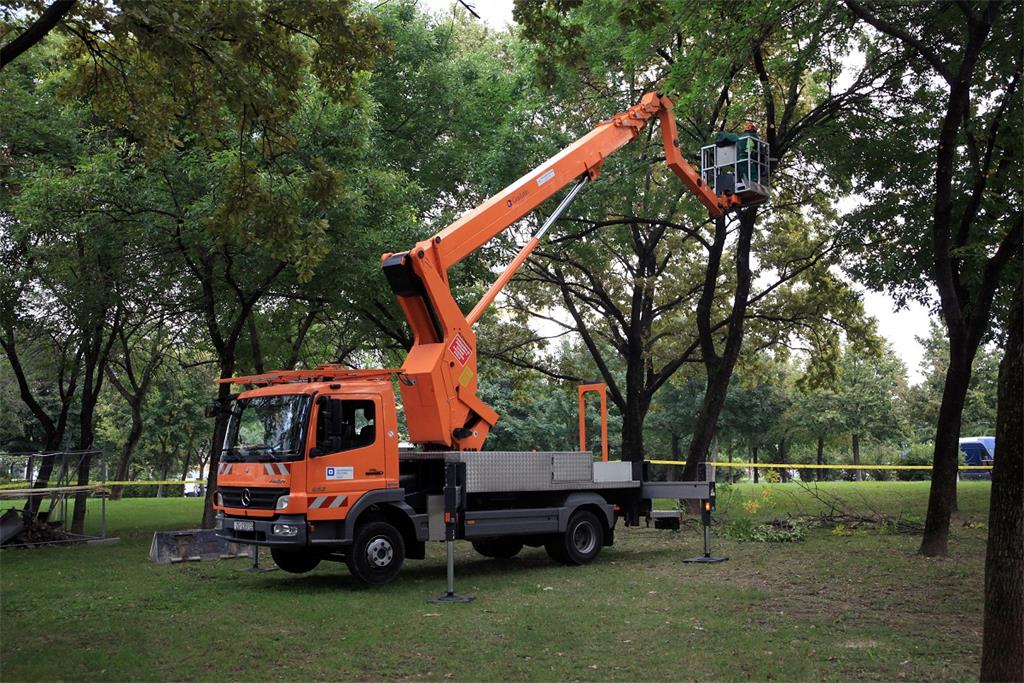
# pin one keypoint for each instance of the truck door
(348, 459)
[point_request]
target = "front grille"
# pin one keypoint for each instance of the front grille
(260, 498)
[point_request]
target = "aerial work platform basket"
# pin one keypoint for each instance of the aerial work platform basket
(737, 164)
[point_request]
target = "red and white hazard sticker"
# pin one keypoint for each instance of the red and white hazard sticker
(460, 349)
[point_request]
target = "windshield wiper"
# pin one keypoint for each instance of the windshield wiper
(283, 455)
(230, 455)
(244, 453)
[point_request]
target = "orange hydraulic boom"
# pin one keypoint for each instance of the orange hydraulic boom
(438, 380)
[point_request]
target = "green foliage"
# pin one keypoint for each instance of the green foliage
(892, 229)
(238, 169)
(924, 399)
(918, 454)
(870, 389)
(153, 68)
(771, 69)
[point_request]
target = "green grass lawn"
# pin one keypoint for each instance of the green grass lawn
(836, 607)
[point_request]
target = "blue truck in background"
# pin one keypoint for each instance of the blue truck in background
(978, 450)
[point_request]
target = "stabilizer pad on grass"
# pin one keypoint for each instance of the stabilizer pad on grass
(194, 545)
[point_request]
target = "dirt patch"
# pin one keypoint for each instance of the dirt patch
(860, 644)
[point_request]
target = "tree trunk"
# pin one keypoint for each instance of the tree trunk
(201, 460)
(95, 357)
(719, 368)
(134, 434)
(633, 429)
(93, 380)
(184, 469)
(965, 312)
(783, 472)
(163, 475)
(84, 465)
(942, 493)
(755, 464)
(1002, 652)
(220, 428)
(54, 430)
(821, 456)
(676, 450)
(257, 350)
(300, 336)
(707, 422)
(96, 343)
(858, 474)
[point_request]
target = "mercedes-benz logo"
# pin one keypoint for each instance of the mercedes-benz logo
(246, 498)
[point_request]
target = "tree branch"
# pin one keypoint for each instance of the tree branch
(50, 17)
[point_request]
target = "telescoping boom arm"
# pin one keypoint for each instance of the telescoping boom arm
(438, 380)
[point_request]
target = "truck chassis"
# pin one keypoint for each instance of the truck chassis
(500, 502)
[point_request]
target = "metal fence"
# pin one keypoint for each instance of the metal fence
(40, 486)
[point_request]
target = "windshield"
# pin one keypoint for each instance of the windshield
(266, 428)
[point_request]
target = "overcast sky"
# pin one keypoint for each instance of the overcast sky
(899, 328)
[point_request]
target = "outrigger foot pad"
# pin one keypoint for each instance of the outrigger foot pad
(453, 597)
(256, 563)
(706, 559)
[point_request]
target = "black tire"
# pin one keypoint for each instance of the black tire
(581, 542)
(294, 561)
(377, 554)
(498, 548)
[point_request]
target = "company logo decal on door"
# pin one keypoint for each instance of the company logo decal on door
(337, 473)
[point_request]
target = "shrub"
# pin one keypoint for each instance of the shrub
(776, 531)
(919, 454)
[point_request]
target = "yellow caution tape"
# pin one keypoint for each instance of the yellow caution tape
(808, 466)
(677, 463)
(40, 492)
(101, 484)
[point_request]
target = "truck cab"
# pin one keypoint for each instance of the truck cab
(301, 460)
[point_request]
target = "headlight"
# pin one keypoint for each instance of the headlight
(282, 503)
(286, 530)
(218, 499)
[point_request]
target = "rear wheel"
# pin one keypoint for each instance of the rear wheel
(294, 561)
(499, 548)
(377, 554)
(581, 542)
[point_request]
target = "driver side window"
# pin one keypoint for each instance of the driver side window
(344, 424)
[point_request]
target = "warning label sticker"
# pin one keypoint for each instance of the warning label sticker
(460, 349)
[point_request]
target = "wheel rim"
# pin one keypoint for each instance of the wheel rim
(584, 538)
(379, 552)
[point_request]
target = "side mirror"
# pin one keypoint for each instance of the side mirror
(212, 409)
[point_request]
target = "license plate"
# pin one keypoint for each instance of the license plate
(243, 526)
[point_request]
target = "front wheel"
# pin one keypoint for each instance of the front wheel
(377, 554)
(581, 542)
(294, 561)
